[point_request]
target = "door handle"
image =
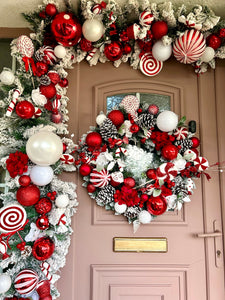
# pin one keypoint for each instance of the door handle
(214, 234)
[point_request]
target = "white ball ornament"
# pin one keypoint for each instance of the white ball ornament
(60, 51)
(167, 121)
(44, 148)
(120, 208)
(5, 283)
(208, 54)
(93, 30)
(7, 77)
(62, 201)
(161, 52)
(100, 119)
(41, 175)
(144, 217)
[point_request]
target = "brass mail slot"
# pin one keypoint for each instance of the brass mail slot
(140, 244)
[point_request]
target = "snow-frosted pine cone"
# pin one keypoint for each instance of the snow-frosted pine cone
(108, 130)
(185, 145)
(45, 80)
(180, 188)
(146, 121)
(132, 212)
(105, 196)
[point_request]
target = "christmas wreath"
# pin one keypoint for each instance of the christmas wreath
(140, 162)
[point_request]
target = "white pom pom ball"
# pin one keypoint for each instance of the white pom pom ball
(161, 52)
(100, 119)
(120, 208)
(60, 51)
(41, 175)
(7, 77)
(144, 217)
(62, 201)
(208, 54)
(180, 164)
(167, 121)
(5, 283)
(93, 30)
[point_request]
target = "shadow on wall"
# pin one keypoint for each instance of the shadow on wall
(5, 57)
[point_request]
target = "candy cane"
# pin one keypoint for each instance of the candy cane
(62, 220)
(120, 150)
(45, 268)
(12, 104)
(91, 54)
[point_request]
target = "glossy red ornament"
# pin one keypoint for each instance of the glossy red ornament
(66, 29)
(159, 29)
(153, 109)
(94, 139)
(41, 68)
(28, 195)
(25, 109)
(134, 128)
(91, 188)
(117, 117)
(49, 91)
(213, 41)
(24, 180)
(64, 147)
(42, 222)
(86, 45)
(54, 77)
(63, 82)
(169, 152)
(127, 48)
(144, 197)
(195, 142)
(156, 205)
(43, 248)
(113, 51)
(85, 169)
(129, 182)
(51, 9)
(43, 206)
(151, 174)
(222, 33)
(57, 118)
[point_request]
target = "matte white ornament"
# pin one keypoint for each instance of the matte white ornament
(7, 77)
(120, 208)
(144, 217)
(60, 51)
(161, 52)
(44, 148)
(5, 283)
(208, 54)
(100, 119)
(41, 175)
(93, 30)
(62, 201)
(167, 121)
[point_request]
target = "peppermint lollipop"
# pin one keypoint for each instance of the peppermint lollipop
(12, 218)
(25, 46)
(131, 104)
(149, 65)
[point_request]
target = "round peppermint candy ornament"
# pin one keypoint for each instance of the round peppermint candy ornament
(201, 163)
(26, 281)
(180, 133)
(12, 218)
(150, 66)
(100, 179)
(166, 171)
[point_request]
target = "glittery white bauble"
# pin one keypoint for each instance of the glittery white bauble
(5, 283)
(62, 201)
(208, 54)
(161, 52)
(7, 77)
(120, 208)
(100, 119)
(93, 30)
(144, 217)
(60, 51)
(167, 121)
(41, 175)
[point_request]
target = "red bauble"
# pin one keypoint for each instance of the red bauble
(91, 188)
(86, 45)
(195, 151)
(66, 29)
(213, 41)
(43, 248)
(151, 174)
(64, 147)
(85, 169)
(25, 109)
(24, 180)
(41, 68)
(63, 82)
(129, 182)
(54, 77)
(134, 128)
(195, 142)
(169, 152)
(28, 195)
(222, 33)
(117, 117)
(43, 206)
(49, 91)
(94, 139)
(159, 29)
(51, 10)
(144, 197)
(156, 205)
(127, 49)
(57, 118)
(42, 222)
(113, 51)
(43, 289)
(153, 109)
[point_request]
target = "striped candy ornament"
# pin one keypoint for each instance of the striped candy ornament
(166, 171)
(180, 133)
(56, 104)
(146, 18)
(189, 47)
(97, 9)
(3, 249)
(26, 281)
(91, 54)
(100, 179)
(12, 218)
(150, 66)
(46, 55)
(67, 159)
(12, 104)
(45, 268)
(201, 163)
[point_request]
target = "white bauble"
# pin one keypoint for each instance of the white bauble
(93, 30)
(60, 51)
(144, 217)
(62, 201)
(5, 283)
(120, 208)
(180, 164)
(208, 54)
(44, 148)
(41, 175)
(7, 77)
(167, 121)
(161, 52)
(100, 119)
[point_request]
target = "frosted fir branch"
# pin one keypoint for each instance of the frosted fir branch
(220, 53)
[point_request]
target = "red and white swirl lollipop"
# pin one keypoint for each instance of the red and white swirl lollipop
(166, 171)
(150, 66)
(12, 218)
(180, 133)
(25, 46)
(100, 179)
(131, 104)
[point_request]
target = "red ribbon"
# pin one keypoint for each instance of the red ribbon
(103, 4)
(29, 61)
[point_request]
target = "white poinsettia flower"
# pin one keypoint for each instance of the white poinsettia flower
(38, 98)
(34, 233)
(103, 159)
(180, 164)
(171, 202)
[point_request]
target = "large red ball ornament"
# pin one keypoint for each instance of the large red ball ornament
(41, 68)
(25, 109)
(134, 128)
(127, 48)
(49, 91)
(28, 195)
(42, 222)
(195, 142)
(51, 10)
(213, 41)
(159, 29)
(66, 29)
(117, 117)
(156, 205)
(24, 180)
(85, 169)
(43, 206)
(94, 139)
(43, 248)
(129, 182)
(113, 51)
(91, 188)
(86, 45)
(169, 152)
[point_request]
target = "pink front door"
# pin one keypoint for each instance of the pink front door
(192, 269)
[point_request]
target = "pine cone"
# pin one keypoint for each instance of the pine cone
(108, 130)
(39, 55)
(132, 212)
(185, 145)
(45, 80)
(105, 196)
(146, 121)
(180, 188)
